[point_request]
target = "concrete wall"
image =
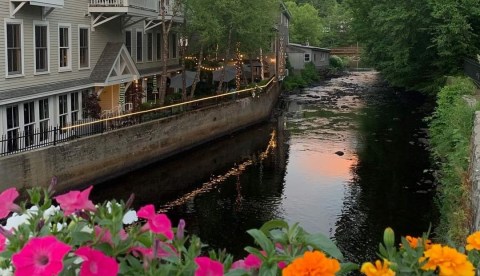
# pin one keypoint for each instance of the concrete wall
(97, 158)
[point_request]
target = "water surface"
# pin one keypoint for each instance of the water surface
(347, 159)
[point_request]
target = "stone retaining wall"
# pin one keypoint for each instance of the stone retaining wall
(475, 173)
(97, 158)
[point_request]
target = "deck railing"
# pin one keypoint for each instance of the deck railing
(472, 69)
(142, 4)
(17, 140)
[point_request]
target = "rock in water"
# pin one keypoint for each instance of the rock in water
(339, 153)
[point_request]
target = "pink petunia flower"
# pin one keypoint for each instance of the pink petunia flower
(96, 263)
(40, 256)
(104, 234)
(2, 243)
(157, 223)
(6, 202)
(163, 250)
(249, 263)
(208, 267)
(75, 201)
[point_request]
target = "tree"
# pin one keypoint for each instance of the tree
(168, 14)
(247, 24)
(413, 43)
(305, 25)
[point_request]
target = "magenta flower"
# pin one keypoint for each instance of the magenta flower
(249, 263)
(208, 267)
(6, 202)
(75, 201)
(2, 243)
(96, 263)
(157, 223)
(40, 256)
(104, 234)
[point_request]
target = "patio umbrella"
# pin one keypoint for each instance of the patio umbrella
(177, 81)
(230, 73)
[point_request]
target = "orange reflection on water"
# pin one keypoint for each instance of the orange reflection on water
(314, 164)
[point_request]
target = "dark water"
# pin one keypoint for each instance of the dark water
(288, 169)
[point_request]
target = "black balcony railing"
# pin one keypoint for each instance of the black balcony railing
(472, 69)
(20, 140)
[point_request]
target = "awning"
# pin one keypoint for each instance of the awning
(177, 80)
(230, 73)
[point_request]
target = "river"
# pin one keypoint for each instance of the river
(347, 158)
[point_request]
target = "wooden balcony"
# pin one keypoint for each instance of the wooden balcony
(141, 8)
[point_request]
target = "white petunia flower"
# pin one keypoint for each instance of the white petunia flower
(130, 217)
(16, 220)
(6, 272)
(51, 211)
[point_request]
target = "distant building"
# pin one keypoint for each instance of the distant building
(299, 55)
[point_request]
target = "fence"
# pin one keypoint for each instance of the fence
(472, 69)
(17, 140)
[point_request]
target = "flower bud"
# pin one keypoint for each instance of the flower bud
(181, 229)
(129, 202)
(51, 187)
(389, 237)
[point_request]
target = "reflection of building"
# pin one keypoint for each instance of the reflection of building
(299, 55)
(59, 51)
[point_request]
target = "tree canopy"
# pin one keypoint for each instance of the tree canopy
(413, 43)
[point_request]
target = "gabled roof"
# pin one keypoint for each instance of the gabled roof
(294, 47)
(285, 10)
(114, 66)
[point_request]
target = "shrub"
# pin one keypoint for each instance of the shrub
(336, 62)
(309, 73)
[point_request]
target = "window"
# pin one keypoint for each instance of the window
(173, 42)
(128, 41)
(74, 106)
(149, 46)
(65, 53)
(29, 123)
(14, 46)
(41, 47)
(159, 46)
(44, 116)
(84, 47)
(307, 57)
(12, 128)
(62, 110)
(139, 46)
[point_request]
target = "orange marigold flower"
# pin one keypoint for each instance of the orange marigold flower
(473, 241)
(312, 263)
(413, 242)
(448, 260)
(379, 269)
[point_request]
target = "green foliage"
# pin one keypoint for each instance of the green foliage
(305, 25)
(413, 43)
(309, 73)
(306, 77)
(336, 62)
(450, 131)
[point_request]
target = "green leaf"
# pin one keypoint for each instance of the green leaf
(268, 270)
(348, 267)
(79, 237)
(323, 243)
(262, 240)
(236, 272)
(273, 224)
